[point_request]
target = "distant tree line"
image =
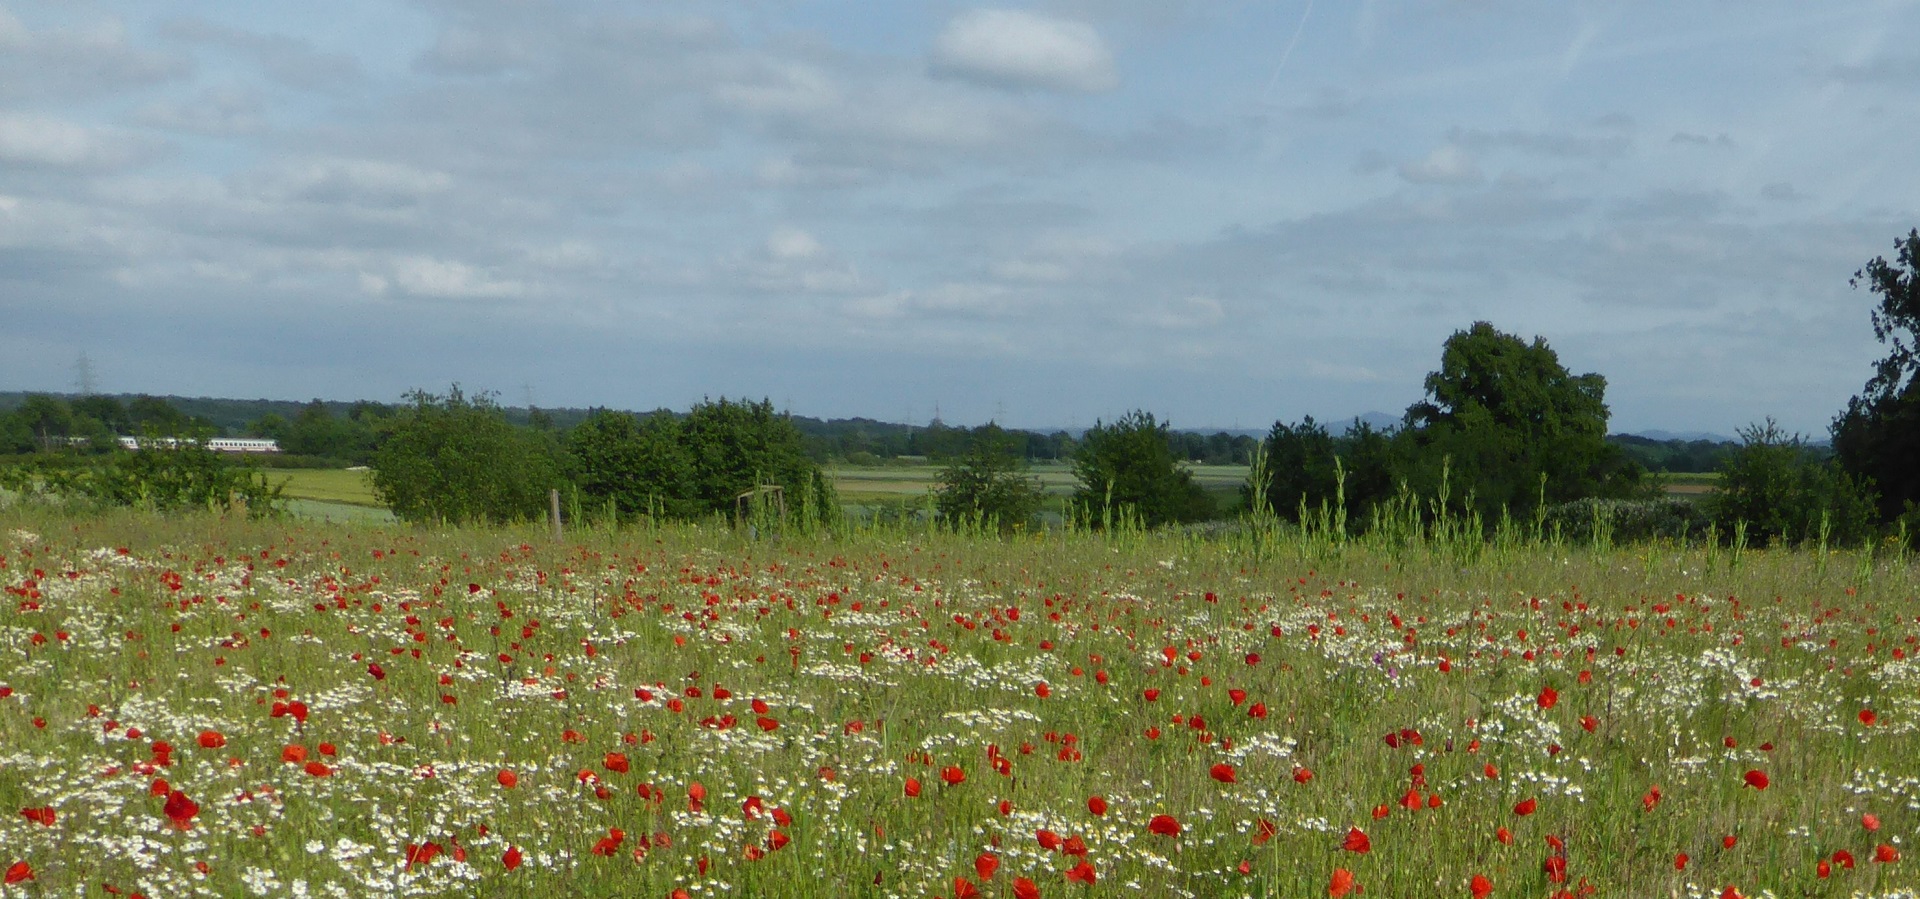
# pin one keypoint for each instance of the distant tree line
(1503, 432)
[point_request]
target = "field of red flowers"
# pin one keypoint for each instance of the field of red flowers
(212, 707)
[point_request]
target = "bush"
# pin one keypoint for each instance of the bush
(1128, 470)
(1625, 521)
(1783, 492)
(459, 460)
(641, 466)
(988, 483)
(164, 479)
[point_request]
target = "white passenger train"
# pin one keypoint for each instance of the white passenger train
(217, 444)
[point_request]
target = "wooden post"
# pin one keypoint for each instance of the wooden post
(553, 504)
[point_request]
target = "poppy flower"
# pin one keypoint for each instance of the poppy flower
(1237, 695)
(964, 889)
(1525, 807)
(43, 816)
(1547, 698)
(1843, 858)
(1480, 887)
(1504, 835)
(1302, 775)
(1680, 862)
(952, 775)
(512, 858)
(1757, 779)
(1555, 868)
(1081, 873)
(1049, 840)
(507, 779)
(318, 769)
(1340, 884)
(1223, 773)
(617, 763)
(1025, 889)
(1096, 805)
(1823, 870)
(293, 755)
(1885, 853)
(985, 864)
(423, 854)
(610, 844)
(1263, 830)
(19, 872)
(212, 739)
(1164, 825)
(180, 809)
(1356, 841)
(1868, 717)
(1870, 821)
(913, 788)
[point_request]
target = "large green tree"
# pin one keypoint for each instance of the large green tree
(989, 482)
(1129, 469)
(457, 459)
(641, 465)
(1510, 423)
(738, 446)
(1878, 436)
(1307, 466)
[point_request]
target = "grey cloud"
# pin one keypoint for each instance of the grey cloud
(78, 63)
(1542, 143)
(1447, 164)
(1718, 141)
(42, 141)
(219, 112)
(1889, 70)
(288, 61)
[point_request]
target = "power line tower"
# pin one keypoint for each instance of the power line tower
(83, 375)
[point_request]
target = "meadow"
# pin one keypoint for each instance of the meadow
(203, 705)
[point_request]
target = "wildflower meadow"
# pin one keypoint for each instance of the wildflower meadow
(204, 705)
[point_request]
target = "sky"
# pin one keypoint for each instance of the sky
(1226, 213)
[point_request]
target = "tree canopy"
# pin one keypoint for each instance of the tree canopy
(457, 459)
(1511, 423)
(1128, 468)
(1878, 435)
(988, 483)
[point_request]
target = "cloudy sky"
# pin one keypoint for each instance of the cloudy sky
(1224, 212)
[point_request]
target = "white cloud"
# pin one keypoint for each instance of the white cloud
(1013, 48)
(426, 276)
(792, 244)
(1447, 164)
(360, 182)
(42, 141)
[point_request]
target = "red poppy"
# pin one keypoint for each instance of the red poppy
(964, 889)
(766, 724)
(1843, 858)
(1164, 825)
(913, 787)
(1480, 887)
(1504, 835)
(1049, 840)
(1356, 841)
(1680, 862)
(1223, 773)
(19, 872)
(1096, 805)
(1302, 775)
(953, 775)
(985, 864)
(1237, 695)
(1757, 779)
(617, 763)
(1263, 830)
(1555, 867)
(180, 809)
(512, 858)
(1042, 690)
(1547, 698)
(1885, 853)
(1081, 873)
(1341, 883)
(423, 854)
(43, 816)
(1588, 723)
(1525, 807)
(507, 779)
(610, 843)
(1867, 717)
(1823, 869)
(318, 769)
(1151, 693)
(1870, 821)
(1025, 889)
(212, 739)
